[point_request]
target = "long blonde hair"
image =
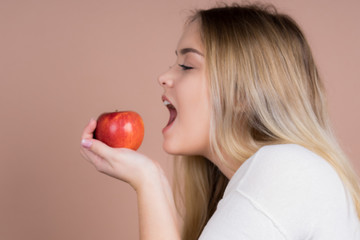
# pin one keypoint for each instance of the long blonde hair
(264, 89)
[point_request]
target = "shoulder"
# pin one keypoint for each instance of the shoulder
(294, 187)
(290, 157)
(288, 166)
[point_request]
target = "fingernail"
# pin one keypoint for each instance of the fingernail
(86, 143)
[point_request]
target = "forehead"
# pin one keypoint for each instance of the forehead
(190, 37)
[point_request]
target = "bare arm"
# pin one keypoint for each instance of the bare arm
(157, 213)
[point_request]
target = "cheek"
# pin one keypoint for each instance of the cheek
(190, 137)
(194, 123)
(190, 132)
(198, 137)
(196, 119)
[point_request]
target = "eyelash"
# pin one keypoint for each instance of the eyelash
(184, 67)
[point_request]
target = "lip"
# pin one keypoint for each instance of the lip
(164, 98)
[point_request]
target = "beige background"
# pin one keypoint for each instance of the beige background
(63, 62)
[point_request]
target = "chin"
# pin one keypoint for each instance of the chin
(176, 149)
(171, 149)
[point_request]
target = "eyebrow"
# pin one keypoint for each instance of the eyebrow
(189, 50)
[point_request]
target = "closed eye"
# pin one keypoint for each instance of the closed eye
(184, 67)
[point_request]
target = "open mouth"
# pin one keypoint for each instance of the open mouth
(172, 110)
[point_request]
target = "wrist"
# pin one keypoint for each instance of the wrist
(150, 177)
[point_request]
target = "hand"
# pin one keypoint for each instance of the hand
(155, 200)
(121, 163)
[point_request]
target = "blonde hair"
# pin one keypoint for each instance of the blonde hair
(264, 89)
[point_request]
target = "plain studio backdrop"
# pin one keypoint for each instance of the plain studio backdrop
(63, 62)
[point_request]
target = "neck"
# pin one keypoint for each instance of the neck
(227, 168)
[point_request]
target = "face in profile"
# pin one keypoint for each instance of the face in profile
(187, 98)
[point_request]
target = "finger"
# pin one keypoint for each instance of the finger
(89, 129)
(98, 162)
(86, 154)
(98, 148)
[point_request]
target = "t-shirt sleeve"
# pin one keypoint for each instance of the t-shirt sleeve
(237, 217)
(284, 192)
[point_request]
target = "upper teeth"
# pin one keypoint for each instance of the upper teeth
(166, 103)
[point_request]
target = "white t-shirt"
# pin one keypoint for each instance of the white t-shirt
(284, 192)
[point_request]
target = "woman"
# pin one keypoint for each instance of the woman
(248, 123)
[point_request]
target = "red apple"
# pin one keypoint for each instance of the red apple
(120, 129)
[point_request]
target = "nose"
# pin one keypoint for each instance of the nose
(166, 79)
